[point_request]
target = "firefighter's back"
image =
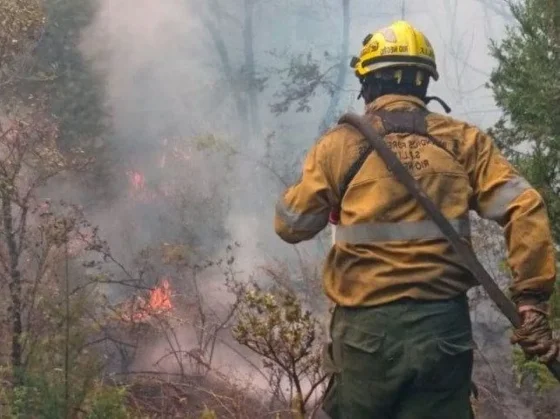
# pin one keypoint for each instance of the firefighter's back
(386, 247)
(401, 332)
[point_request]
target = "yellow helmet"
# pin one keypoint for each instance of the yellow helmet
(399, 44)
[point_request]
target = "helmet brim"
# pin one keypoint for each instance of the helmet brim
(431, 70)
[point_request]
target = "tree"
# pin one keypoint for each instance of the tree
(239, 74)
(40, 57)
(29, 158)
(52, 306)
(275, 325)
(526, 87)
(342, 71)
(21, 25)
(306, 75)
(76, 96)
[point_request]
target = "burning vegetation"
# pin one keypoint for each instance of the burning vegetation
(141, 309)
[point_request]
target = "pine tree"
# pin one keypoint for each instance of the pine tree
(526, 86)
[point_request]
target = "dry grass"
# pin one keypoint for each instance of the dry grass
(188, 397)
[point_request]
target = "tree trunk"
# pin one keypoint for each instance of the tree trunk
(250, 69)
(15, 287)
(214, 26)
(343, 66)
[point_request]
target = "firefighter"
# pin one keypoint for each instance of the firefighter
(401, 344)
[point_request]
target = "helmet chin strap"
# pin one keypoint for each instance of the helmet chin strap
(361, 94)
(444, 105)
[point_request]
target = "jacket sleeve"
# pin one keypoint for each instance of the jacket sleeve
(303, 209)
(503, 195)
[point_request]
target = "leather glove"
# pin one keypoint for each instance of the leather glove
(534, 335)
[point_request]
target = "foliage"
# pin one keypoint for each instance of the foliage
(48, 66)
(208, 414)
(108, 402)
(32, 236)
(62, 365)
(527, 88)
(274, 325)
(537, 373)
(53, 308)
(75, 95)
(528, 59)
(43, 395)
(74, 92)
(21, 25)
(304, 77)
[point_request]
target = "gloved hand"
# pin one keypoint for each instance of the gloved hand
(334, 216)
(534, 335)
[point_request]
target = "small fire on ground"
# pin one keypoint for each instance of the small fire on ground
(141, 191)
(157, 303)
(137, 180)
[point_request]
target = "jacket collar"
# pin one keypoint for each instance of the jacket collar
(394, 102)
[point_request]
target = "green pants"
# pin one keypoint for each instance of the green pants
(404, 360)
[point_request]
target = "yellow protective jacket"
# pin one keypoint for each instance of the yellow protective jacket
(386, 247)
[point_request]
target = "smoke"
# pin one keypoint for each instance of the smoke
(144, 52)
(141, 51)
(175, 76)
(180, 69)
(175, 79)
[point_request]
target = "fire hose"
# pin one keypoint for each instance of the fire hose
(460, 245)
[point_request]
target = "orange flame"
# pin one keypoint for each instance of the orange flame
(160, 300)
(158, 303)
(139, 191)
(137, 180)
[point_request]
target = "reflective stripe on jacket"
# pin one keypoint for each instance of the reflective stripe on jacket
(385, 247)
